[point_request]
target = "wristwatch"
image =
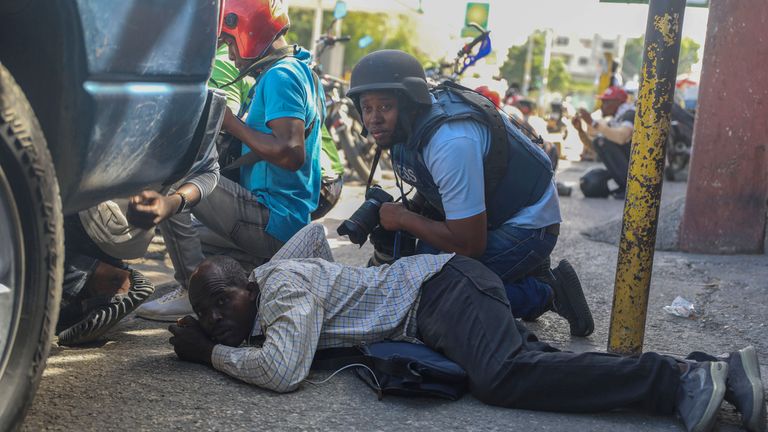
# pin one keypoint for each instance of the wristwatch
(184, 201)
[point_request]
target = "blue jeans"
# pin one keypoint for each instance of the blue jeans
(512, 253)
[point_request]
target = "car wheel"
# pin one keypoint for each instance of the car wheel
(31, 252)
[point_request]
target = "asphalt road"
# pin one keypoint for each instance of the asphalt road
(133, 381)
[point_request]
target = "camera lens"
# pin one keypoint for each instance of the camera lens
(365, 218)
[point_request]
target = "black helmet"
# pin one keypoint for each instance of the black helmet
(389, 70)
(594, 184)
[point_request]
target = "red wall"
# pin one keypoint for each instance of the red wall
(725, 209)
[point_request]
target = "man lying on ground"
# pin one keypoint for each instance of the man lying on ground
(302, 301)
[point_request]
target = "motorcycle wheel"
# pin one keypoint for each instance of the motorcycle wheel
(355, 150)
(678, 156)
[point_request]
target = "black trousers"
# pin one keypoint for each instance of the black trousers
(464, 314)
(615, 157)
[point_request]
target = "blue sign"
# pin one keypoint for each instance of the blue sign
(365, 41)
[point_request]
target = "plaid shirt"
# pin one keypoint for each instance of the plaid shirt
(308, 302)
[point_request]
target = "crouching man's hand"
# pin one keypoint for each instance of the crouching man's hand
(190, 342)
(149, 208)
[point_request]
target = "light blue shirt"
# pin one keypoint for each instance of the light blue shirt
(454, 157)
(286, 90)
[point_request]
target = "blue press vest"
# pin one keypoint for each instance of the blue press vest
(528, 174)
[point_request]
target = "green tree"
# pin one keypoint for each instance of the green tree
(559, 78)
(302, 21)
(385, 33)
(689, 55)
(513, 69)
(633, 56)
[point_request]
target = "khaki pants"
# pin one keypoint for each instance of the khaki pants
(230, 212)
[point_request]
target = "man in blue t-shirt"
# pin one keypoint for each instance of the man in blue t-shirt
(443, 148)
(280, 186)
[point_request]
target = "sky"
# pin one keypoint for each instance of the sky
(510, 21)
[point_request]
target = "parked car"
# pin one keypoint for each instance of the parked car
(98, 99)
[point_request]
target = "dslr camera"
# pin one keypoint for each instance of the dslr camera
(366, 217)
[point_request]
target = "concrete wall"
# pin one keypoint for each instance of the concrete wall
(725, 210)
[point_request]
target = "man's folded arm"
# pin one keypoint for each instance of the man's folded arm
(309, 242)
(286, 355)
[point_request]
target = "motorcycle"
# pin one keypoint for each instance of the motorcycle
(679, 143)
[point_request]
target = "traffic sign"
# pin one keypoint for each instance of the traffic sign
(476, 13)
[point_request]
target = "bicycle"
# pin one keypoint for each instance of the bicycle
(463, 60)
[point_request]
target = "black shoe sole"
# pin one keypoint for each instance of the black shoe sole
(101, 319)
(568, 291)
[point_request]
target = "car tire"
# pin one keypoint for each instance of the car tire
(31, 263)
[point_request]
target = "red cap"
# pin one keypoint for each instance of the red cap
(614, 93)
(491, 95)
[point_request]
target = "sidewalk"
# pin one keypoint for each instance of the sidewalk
(134, 381)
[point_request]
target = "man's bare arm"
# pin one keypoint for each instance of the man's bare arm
(284, 147)
(619, 134)
(462, 236)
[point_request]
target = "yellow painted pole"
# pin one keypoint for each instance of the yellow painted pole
(641, 208)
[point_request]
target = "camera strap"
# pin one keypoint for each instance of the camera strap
(404, 198)
(373, 168)
(398, 234)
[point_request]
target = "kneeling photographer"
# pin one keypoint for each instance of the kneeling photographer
(490, 188)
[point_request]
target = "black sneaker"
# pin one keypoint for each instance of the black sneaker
(744, 388)
(700, 394)
(100, 318)
(569, 301)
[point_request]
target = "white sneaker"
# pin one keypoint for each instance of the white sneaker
(170, 307)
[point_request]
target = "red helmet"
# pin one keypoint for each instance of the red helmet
(254, 24)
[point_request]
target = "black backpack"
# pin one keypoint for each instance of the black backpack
(398, 368)
(594, 183)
